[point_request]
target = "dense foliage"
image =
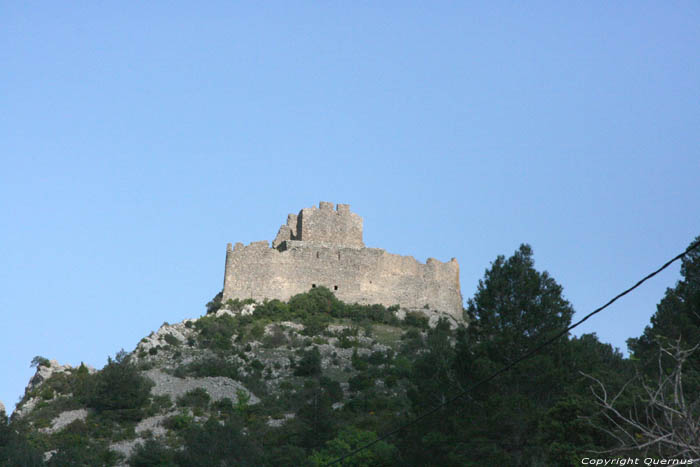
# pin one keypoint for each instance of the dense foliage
(542, 412)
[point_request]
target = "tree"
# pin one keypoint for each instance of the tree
(15, 449)
(214, 443)
(514, 309)
(516, 306)
(657, 410)
(119, 389)
(152, 453)
(379, 454)
(677, 317)
(663, 421)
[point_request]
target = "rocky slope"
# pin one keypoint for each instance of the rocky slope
(234, 361)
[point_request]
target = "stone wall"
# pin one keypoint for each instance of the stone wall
(329, 252)
(323, 225)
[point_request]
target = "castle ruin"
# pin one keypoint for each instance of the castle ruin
(324, 247)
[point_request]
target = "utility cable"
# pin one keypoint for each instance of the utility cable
(519, 359)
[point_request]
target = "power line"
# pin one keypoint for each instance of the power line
(519, 359)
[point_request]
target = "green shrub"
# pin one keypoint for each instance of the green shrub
(332, 388)
(276, 338)
(237, 304)
(215, 332)
(377, 358)
(360, 382)
(350, 438)
(213, 366)
(257, 330)
(309, 364)
(412, 341)
(359, 363)
(215, 304)
(178, 422)
(152, 453)
(257, 365)
(160, 403)
(417, 319)
(197, 397)
(172, 340)
(224, 405)
(40, 361)
(345, 343)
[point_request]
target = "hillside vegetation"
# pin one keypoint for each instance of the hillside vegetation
(306, 381)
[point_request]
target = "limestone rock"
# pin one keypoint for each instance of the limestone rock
(64, 419)
(246, 310)
(178, 331)
(218, 387)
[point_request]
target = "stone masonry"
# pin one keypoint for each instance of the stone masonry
(323, 247)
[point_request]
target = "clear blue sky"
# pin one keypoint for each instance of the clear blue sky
(137, 139)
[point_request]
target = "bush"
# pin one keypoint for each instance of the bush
(257, 365)
(257, 330)
(215, 304)
(172, 340)
(360, 382)
(162, 402)
(276, 338)
(332, 388)
(377, 358)
(197, 397)
(178, 422)
(412, 341)
(358, 363)
(310, 363)
(237, 304)
(151, 453)
(40, 361)
(215, 332)
(350, 438)
(214, 366)
(417, 319)
(224, 405)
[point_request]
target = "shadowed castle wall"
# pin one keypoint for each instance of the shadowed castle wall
(329, 252)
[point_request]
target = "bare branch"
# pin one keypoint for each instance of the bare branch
(668, 423)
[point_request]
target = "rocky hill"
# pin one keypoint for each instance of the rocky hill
(273, 378)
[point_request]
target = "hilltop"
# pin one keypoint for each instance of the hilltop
(257, 365)
(308, 380)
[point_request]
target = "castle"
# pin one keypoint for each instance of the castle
(324, 247)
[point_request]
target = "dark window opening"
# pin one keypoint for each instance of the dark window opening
(335, 287)
(313, 286)
(318, 254)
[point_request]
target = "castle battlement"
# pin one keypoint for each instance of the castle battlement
(323, 247)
